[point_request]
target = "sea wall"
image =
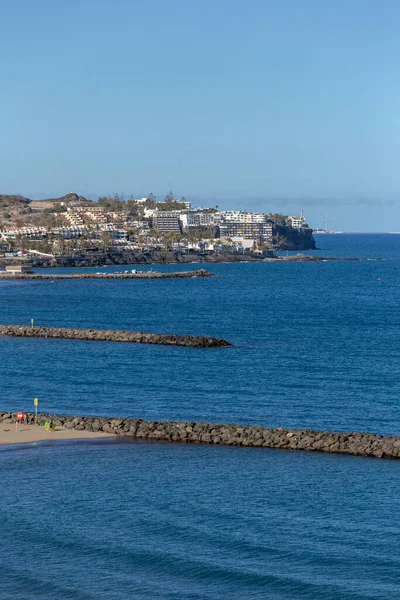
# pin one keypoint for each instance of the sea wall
(141, 275)
(255, 436)
(111, 335)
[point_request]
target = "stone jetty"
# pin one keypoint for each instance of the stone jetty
(254, 436)
(137, 275)
(111, 335)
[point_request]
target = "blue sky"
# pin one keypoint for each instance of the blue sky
(261, 104)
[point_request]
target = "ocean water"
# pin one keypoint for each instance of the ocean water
(315, 345)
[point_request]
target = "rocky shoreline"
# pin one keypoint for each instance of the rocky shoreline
(307, 258)
(254, 436)
(164, 258)
(140, 275)
(109, 335)
(101, 259)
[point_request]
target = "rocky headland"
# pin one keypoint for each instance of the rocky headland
(292, 238)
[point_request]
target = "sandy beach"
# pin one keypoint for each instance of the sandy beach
(37, 433)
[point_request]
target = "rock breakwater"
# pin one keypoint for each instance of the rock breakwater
(255, 436)
(110, 335)
(140, 275)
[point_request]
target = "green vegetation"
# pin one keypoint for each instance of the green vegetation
(13, 201)
(115, 203)
(278, 218)
(170, 205)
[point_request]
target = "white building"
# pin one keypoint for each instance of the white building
(137, 224)
(193, 219)
(149, 212)
(261, 232)
(83, 209)
(17, 269)
(298, 222)
(241, 216)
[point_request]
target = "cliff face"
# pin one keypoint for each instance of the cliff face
(288, 238)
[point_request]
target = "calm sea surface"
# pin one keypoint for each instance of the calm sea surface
(315, 345)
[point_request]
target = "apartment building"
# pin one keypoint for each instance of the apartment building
(83, 209)
(166, 221)
(261, 232)
(241, 216)
(298, 222)
(11, 233)
(193, 219)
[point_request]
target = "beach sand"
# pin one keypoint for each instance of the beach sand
(37, 433)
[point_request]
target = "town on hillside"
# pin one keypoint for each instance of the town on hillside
(70, 224)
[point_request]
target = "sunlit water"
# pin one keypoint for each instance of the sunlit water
(315, 345)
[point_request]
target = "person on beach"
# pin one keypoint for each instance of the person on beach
(20, 416)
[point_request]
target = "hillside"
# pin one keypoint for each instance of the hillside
(68, 199)
(17, 210)
(7, 201)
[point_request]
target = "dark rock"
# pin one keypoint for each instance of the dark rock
(353, 443)
(113, 336)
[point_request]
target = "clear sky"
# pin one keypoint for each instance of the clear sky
(271, 105)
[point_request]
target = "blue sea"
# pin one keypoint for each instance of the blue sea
(315, 345)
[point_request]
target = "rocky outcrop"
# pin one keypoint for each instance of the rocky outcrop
(290, 238)
(140, 275)
(306, 258)
(151, 257)
(109, 335)
(252, 436)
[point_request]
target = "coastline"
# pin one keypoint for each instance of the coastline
(78, 263)
(199, 273)
(30, 433)
(120, 259)
(251, 436)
